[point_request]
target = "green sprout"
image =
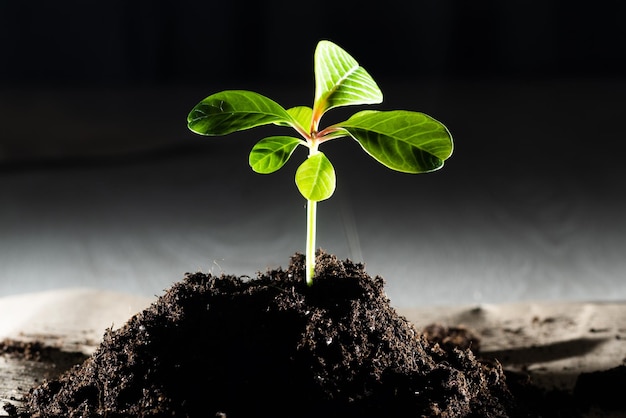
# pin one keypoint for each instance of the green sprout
(405, 141)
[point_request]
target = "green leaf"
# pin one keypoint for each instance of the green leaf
(315, 178)
(235, 110)
(340, 80)
(270, 154)
(410, 142)
(302, 115)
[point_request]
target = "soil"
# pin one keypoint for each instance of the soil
(273, 347)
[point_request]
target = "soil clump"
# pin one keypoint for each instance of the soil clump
(274, 347)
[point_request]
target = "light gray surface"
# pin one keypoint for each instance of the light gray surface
(530, 207)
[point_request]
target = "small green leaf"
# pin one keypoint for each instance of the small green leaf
(340, 80)
(315, 178)
(410, 142)
(302, 115)
(235, 110)
(270, 154)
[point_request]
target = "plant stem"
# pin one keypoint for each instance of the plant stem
(311, 217)
(311, 214)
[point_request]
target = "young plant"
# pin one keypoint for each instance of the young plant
(405, 141)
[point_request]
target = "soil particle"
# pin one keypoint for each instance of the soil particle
(27, 350)
(26, 363)
(452, 337)
(273, 347)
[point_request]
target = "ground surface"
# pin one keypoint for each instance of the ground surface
(574, 353)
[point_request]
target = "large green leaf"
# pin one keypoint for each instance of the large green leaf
(315, 178)
(235, 110)
(405, 141)
(340, 80)
(270, 154)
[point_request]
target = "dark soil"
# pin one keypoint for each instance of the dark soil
(27, 350)
(37, 361)
(273, 347)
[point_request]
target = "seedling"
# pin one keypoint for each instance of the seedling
(405, 141)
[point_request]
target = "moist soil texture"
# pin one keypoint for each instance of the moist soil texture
(271, 346)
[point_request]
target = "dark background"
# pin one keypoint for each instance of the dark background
(103, 185)
(155, 42)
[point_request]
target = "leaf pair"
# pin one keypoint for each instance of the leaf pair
(405, 141)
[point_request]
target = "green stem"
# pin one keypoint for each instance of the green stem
(311, 217)
(311, 210)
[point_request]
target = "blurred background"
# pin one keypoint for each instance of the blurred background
(102, 185)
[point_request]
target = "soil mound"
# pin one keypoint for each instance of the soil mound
(273, 347)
